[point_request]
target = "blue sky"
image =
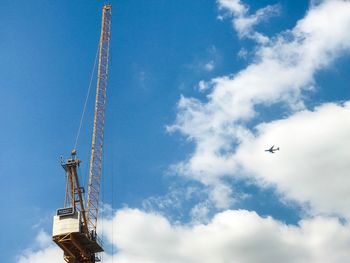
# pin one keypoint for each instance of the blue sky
(160, 159)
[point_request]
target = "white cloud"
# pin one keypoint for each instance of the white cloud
(313, 163)
(207, 62)
(43, 239)
(209, 66)
(200, 212)
(244, 23)
(220, 195)
(173, 199)
(235, 6)
(231, 236)
(202, 85)
(46, 251)
(281, 71)
(243, 53)
(51, 254)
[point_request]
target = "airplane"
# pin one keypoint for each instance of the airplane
(272, 150)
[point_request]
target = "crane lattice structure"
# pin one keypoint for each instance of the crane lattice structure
(74, 227)
(97, 135)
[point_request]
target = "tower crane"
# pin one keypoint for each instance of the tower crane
(74, 226)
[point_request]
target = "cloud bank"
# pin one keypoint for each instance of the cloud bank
(231, 236)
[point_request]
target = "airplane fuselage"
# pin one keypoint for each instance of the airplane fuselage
(272, 150)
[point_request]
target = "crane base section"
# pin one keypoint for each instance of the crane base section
(78, 248)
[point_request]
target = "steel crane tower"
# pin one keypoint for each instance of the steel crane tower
(74, 227)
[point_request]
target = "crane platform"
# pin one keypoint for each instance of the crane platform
(78, 247)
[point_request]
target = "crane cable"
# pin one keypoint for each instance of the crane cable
(86, 99)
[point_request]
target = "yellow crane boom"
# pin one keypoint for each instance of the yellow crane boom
(97, 136)
(74, 227)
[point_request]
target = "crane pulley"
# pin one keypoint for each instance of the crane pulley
(74, 228)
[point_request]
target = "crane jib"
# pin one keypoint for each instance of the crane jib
(98, 128)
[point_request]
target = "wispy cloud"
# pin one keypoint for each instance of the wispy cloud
(209, 66)
(207, 62)
(243, 22)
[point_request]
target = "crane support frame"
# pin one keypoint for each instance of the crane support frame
(74, 192)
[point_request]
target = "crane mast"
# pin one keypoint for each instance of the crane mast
(74, 227)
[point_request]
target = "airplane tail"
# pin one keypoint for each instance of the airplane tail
(278, 149)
